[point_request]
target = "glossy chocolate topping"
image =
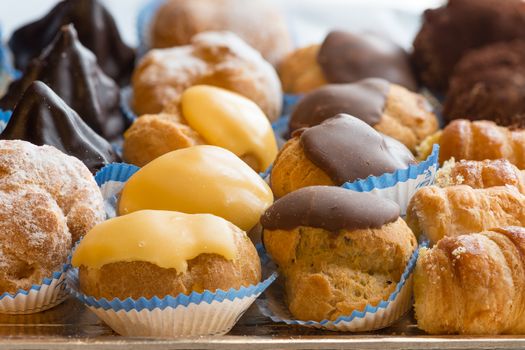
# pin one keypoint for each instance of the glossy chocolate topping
(330, 208)
(348, 149)
(364, 99)
(346, 58)
(96, 29)
(71, 71)
(43, 118)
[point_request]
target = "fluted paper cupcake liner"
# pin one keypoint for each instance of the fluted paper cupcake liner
(272, 305)
(5, 116)
(400, 185)
(195, 314)
(111, 179)
(39, 297)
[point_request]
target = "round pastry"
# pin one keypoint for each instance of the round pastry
(258, 22)
(213, 58)
(205, 114)
(452, 30)
(338, 250)
(346, 58)
(152, 253)
(332, 153)
(489, 83)
(199, 179)
(389, 108)
(48, 201)
(476, 140)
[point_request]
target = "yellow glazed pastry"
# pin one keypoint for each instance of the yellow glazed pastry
(167, 239)
(199, 179)
(228, 120)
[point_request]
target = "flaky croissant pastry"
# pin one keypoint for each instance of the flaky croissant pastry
(480, 174)
(472, 284)
(456, 210)
(477, 140)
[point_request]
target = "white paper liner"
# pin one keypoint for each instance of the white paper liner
(197, 314)
(402, 184)
(272, 305)
(38, 298)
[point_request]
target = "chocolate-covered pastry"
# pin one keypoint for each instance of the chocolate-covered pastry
(43, 118)
(96, 30)
(389, 108)
(450, 31)
(338, 150)
(489, 83)
(72, 72)
(346, 57)
(337, 250)
(329, 208)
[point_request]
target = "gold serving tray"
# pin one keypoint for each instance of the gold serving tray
(72, 326)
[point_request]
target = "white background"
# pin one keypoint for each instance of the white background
(309, 19)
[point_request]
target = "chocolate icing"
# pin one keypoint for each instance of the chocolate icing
(72, 72)
(96, 29)
(43, 118)
(364, 99)
(346, 58)
(329, 208)
(348, 149)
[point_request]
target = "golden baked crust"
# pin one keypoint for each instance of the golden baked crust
(330, 274)
(456, 210)
(48, 201)
(212, 58)
(205, 272)
(153, 135)
(480, 140)
(472, 284)
(293, 170)
(480, 174)
(300, 72)
(407, 117)
(257, 22)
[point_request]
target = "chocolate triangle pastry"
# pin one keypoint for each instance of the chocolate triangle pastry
(43, 118)
(72, 72)
(96, 30)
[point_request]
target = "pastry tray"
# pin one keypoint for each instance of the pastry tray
(72, 326)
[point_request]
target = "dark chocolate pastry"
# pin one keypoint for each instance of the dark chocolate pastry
(346, 58)
(330, 208)
(43, 118)
(489, 83)
(72, 72)
(450, 31)
(96, 29)
(348, 149)
(364, 100)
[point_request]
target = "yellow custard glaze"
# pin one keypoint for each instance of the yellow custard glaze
(229, 120)
(167, 239)
(199, 179)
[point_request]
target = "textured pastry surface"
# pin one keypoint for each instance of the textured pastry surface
(489, 83)
(227, 260)
(257, 22)
(456, 210)
(473, 284)
(48, 201)
(481, 174)
(480, 140)
(212, 58)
